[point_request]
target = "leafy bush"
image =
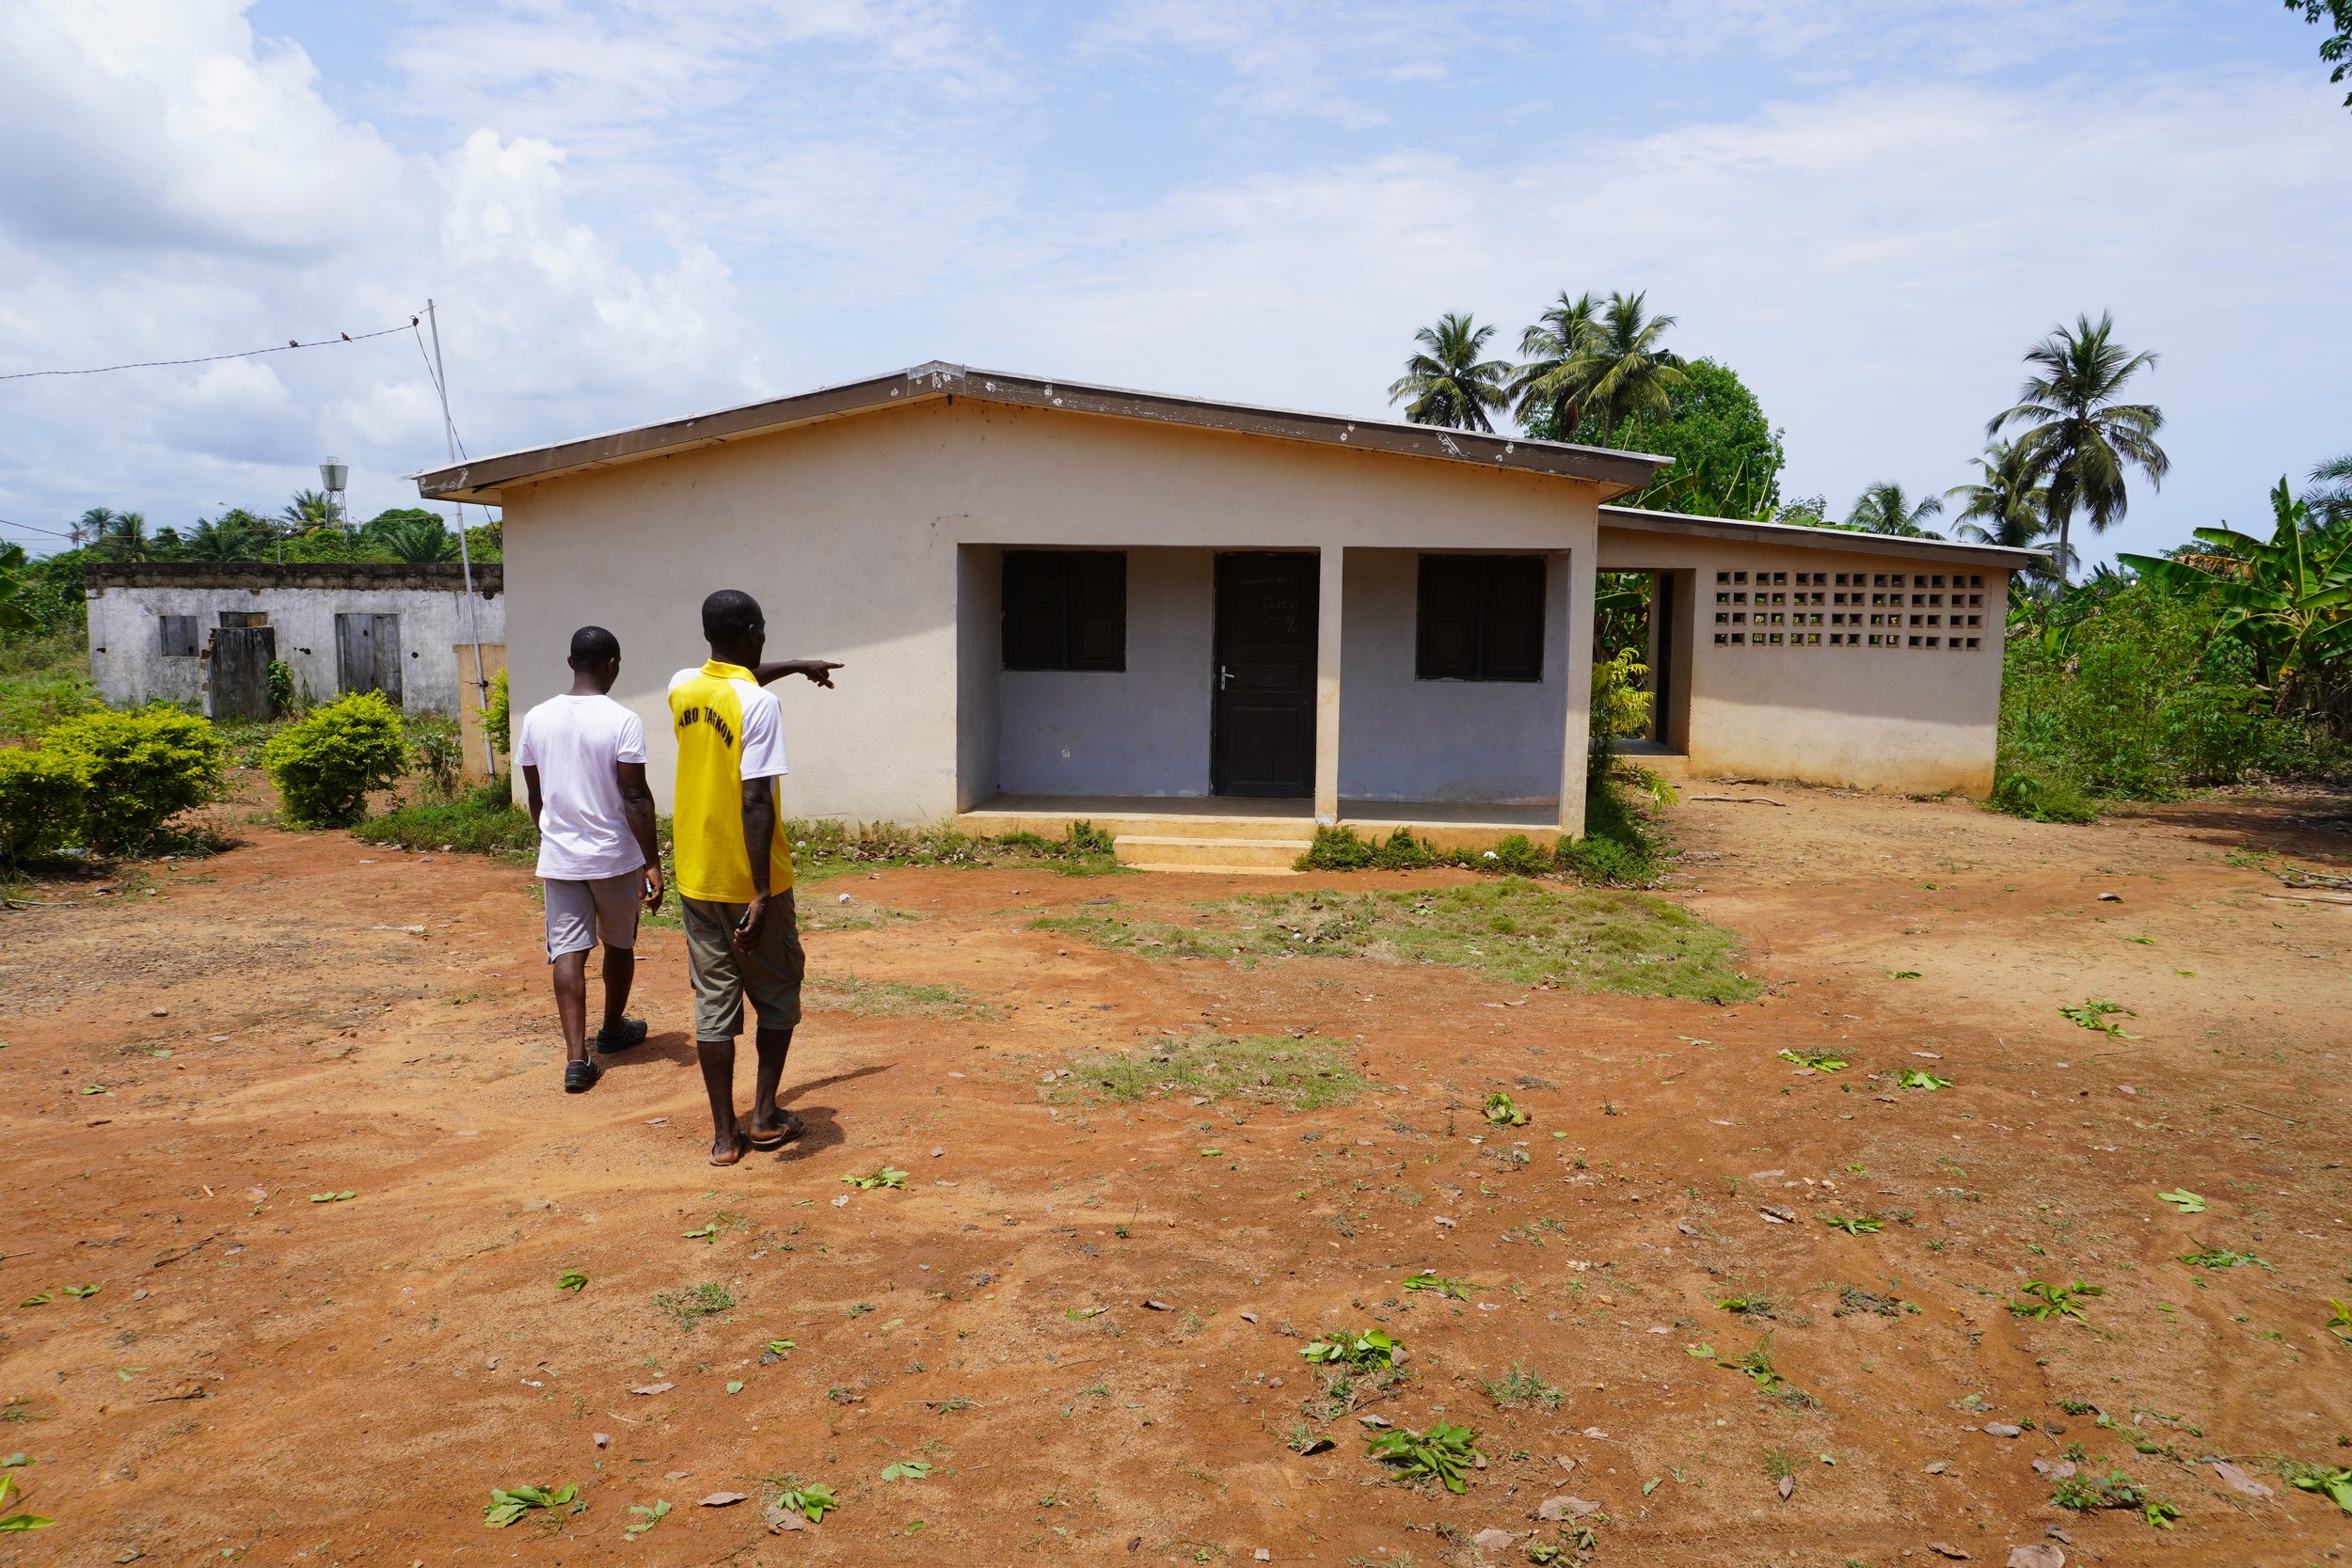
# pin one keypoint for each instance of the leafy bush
(282, 687)
(2041, 798)
(498, 717)
(1517, 855)
(141, 769)
(1621, 707)
(2128, 688)
(327, 764)
(485, 821)
(441, 751)
(1336, 849)
(41, 805)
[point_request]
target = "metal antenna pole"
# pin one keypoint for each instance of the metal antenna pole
(465, 556)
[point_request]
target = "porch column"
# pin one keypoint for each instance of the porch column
(1577, 621)
(1332, 575)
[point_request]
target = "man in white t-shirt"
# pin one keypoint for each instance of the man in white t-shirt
(583, 761)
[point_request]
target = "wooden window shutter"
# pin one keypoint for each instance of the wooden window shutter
(1035, 600)
(1445, 640)
(1097, 638)
(1511, 633)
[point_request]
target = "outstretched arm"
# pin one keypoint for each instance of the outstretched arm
(817, 670)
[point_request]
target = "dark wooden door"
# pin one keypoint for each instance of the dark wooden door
(237, 685)
(1262, 737)
(367, 653)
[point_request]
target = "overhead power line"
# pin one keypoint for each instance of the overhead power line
(210, 359)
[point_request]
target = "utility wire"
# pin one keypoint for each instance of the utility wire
(210, 359)
(35, 528)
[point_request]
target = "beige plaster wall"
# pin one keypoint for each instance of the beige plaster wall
(863, 536)
(1915, 720)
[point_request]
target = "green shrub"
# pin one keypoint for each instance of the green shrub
(498, 718)
(1336, 849)
(441, 751)
(41, 805)
(1609, 860)
(31, 701)
(1517, 854)
(282, 687)
(327, 764)
(142, 768)
(2041, 798)
(485, 821)
(1402, 851)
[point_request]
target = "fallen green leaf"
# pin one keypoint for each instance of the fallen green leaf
(2183, 1200)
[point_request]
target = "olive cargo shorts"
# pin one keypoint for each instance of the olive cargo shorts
(769, 973)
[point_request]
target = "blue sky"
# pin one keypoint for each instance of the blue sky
(629, 211)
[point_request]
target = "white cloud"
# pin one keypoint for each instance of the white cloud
(200, 195)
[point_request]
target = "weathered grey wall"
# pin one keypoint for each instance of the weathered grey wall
(126, 603)
(1408, 739)
(1140, 731)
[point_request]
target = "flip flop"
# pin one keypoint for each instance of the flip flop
(742, 1146)
(780, 1136)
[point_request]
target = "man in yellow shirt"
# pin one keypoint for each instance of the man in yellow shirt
(735, 867)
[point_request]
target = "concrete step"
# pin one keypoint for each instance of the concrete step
(1173, 825)
(1211, 870)
(1169, 850)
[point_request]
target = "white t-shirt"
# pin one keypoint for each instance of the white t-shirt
(573, 742)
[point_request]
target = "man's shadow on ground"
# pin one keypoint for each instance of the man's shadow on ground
(822, 1122)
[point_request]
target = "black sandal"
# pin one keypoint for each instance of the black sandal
(632, 1032)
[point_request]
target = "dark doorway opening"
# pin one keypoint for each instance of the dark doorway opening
(1646, 612)
(1262, 733)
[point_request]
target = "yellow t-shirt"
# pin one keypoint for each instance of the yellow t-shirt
(729, 729)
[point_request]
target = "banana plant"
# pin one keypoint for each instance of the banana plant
(2288, 598)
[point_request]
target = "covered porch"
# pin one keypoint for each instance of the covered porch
(1210, 708)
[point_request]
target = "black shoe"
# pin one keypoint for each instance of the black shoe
(579, 1077)
(631, 1031)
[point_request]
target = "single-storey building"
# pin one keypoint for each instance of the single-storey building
(1189, 620)
(155, 629)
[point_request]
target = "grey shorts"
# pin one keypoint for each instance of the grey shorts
(769, 975)
(580, 915)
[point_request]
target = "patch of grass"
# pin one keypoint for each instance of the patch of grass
(1750, 1307)
(847, 994)
(2040, 796)
(43, 680)
(823, 849)
(1514, 929)
(691, 1306)
(1306, 1074)
(1521, 1384)
(2086, 1493)
(484, 820)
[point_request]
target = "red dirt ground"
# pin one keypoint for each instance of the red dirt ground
(265, 1378)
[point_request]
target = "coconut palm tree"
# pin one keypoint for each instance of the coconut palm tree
(123, 536)
(2080, 437)
(1622, 370)
(1450, 385)
(92, 524)
(412, 539)
(2004, 506)
(1549, 386)
(310, 511)
(232, 537)
(2329, 497)
(1882, 508)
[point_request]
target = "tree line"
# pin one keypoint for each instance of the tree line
(309, 527)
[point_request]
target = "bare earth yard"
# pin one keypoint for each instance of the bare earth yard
(293, 1109)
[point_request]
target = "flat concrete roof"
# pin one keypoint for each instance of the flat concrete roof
(2000, 557)
(439, 576)
(481, 479)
